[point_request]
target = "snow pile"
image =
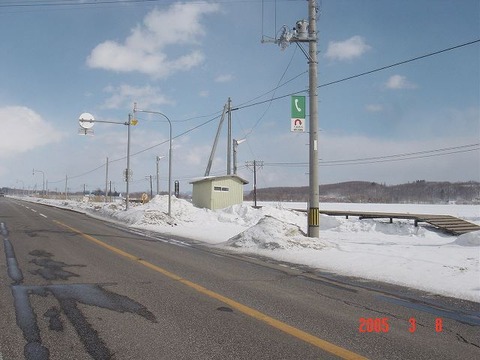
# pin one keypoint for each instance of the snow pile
(469, 239)
(419, 257)
(271, 234)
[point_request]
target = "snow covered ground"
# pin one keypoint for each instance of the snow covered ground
(418, 257)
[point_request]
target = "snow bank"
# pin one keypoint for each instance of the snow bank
(469, 239)
(271, 233)
(418, 257)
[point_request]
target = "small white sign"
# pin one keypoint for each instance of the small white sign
(297, 125)
(86, 121)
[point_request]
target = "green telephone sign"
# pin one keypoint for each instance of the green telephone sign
(298, 107)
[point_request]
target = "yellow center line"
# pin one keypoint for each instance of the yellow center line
(293, 331)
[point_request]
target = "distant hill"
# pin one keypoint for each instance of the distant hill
(420, 191)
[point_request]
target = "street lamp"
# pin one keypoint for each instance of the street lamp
(23, 186)
(169, 153)
(43, 179)
(235, 146)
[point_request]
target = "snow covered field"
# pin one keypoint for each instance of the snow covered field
(418, 257)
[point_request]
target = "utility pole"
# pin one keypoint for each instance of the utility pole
(229, 138)
(106, 180)
(215, 142)
(313, 210)
(151, 187)
(66, 188)
(157, 158)
(306, 32)
(255, 163)
(255, 181)
(87, 121)
(127, 171)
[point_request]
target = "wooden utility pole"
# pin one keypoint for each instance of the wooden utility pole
(254, 163)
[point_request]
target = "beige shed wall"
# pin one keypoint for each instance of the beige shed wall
(202, 193)
(205, 196)
(223, 199)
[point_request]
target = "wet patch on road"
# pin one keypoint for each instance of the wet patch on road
(224, 308)
(68, 296)
(13, 269)
(54, 320)
(51, 269)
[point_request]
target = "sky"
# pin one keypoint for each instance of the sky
(418, 120)
(416, 257)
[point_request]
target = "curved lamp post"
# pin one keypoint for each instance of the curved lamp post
(43, 179)
(23, 186)
(169, 153)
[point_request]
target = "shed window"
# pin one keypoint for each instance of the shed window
(220, 188)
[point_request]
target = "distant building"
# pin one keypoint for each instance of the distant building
(218, 192)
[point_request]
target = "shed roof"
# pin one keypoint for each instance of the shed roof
(212, 178)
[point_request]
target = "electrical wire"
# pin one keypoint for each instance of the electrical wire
(273, 95)
(363, 73)
(294, 93)
(386, 158)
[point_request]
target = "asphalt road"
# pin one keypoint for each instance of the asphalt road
(73, 287)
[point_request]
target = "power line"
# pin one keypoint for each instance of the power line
(387, 158)
(297, 92)
(345, 162)
(273, 95)
(407, 154)
(364, 73)
(246, 104)
(401, 159)
(80, 175)
(400, 63)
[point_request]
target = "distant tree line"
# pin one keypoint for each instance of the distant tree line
(419, 191)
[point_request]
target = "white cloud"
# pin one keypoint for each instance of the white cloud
(124, 96)
(374, 108)
(204, 93)
(398, 82)
(145, 49)
(23, 130)
(347, 50)
(196, 155)
(224, 78)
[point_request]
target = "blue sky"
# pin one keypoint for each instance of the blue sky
(62, 58)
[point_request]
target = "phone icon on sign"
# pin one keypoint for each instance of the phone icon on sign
(296, 105)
